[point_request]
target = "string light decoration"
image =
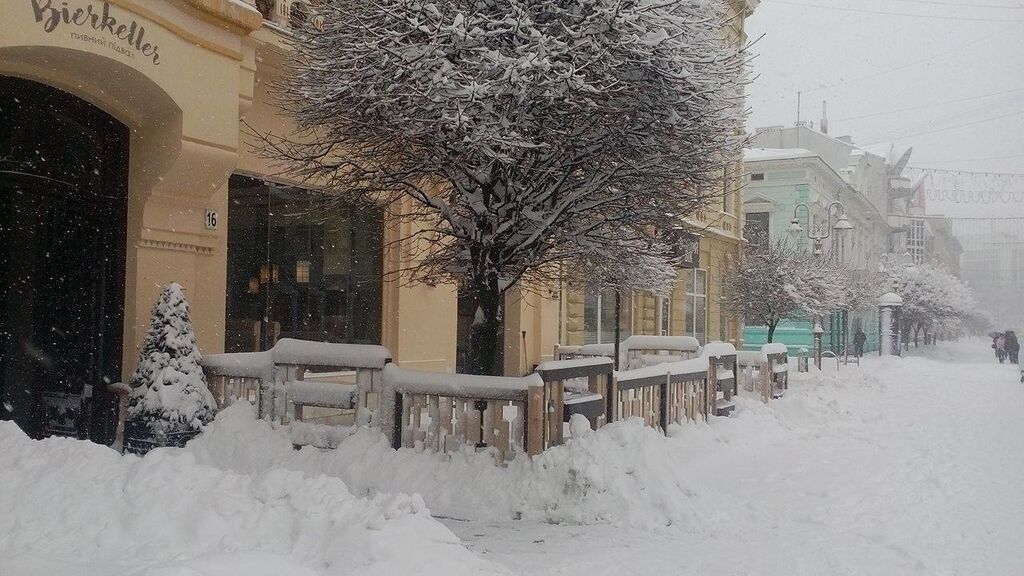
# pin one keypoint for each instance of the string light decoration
(965, 187)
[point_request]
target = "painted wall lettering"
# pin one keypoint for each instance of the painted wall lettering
(97, 16)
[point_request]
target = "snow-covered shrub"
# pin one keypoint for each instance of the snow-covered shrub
(169, 401)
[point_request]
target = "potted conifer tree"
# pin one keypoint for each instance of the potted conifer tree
(169, 402)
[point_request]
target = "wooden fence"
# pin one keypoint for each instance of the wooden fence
(766, 372)
(586, 385)
(295, 374)
(444, 412)
(665, 393)
(511, 416)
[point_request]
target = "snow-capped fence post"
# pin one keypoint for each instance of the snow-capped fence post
(778, 368)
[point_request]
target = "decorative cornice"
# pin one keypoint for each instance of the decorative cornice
(243, 14)
(176, 246)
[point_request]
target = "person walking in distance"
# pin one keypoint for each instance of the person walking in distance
(1012, 346)
(1001, 348)
(858, 342)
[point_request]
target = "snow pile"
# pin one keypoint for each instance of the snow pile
(73, 507)
(624, 473)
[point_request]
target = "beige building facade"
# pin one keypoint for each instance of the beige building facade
(127, 163)
(695, 306)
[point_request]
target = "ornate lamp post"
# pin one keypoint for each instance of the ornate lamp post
(818, 235)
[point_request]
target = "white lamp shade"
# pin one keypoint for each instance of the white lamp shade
(842, 224)
(794, 227)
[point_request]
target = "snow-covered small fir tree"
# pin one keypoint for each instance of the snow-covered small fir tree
(169, 401)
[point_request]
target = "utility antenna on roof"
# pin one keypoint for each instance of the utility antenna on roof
(824, 117)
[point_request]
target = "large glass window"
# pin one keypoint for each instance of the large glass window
(697, 304)
(757, 229)
(599, 316)
(300, 265)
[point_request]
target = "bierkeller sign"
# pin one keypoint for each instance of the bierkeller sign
(95, 23)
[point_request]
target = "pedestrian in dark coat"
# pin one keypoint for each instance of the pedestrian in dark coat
(858, 342)
(1012, 346)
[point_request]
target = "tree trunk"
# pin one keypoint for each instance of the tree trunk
(771, 331)
(485, 337)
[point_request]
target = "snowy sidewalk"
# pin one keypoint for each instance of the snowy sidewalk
(902, 466)
(911, 466)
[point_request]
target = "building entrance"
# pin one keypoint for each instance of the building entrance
(63, 182)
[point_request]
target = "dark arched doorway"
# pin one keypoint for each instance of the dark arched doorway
(63, 193)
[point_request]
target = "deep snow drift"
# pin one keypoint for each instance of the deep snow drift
(912, 466)
(76, 508)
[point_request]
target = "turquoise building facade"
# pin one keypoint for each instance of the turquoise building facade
(777, 181)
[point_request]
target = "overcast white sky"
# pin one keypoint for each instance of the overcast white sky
(945, 76)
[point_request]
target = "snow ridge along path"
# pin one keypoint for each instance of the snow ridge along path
(902, 466)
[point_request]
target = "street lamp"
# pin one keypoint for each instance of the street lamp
(841, 225)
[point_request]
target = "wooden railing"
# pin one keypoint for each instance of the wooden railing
(766, 372)
(298, 373)
(665, 394)
(444, 412)
(642, 351)
(509, 416)
(586, 385)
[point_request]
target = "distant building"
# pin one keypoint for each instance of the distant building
(789, 166)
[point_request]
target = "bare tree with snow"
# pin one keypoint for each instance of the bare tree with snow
(778, 281)
(932, 298)
(517, 135)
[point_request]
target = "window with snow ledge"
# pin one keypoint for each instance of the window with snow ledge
(300, 265)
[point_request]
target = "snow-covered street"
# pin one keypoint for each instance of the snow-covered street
(911, 466)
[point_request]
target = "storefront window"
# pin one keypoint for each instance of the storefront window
(697, 304)
(300, 265)
(599, 316)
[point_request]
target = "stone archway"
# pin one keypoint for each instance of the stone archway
(64, 189)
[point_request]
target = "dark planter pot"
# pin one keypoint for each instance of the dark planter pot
(139, 438)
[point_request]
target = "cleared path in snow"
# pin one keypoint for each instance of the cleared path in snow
(902, 466)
